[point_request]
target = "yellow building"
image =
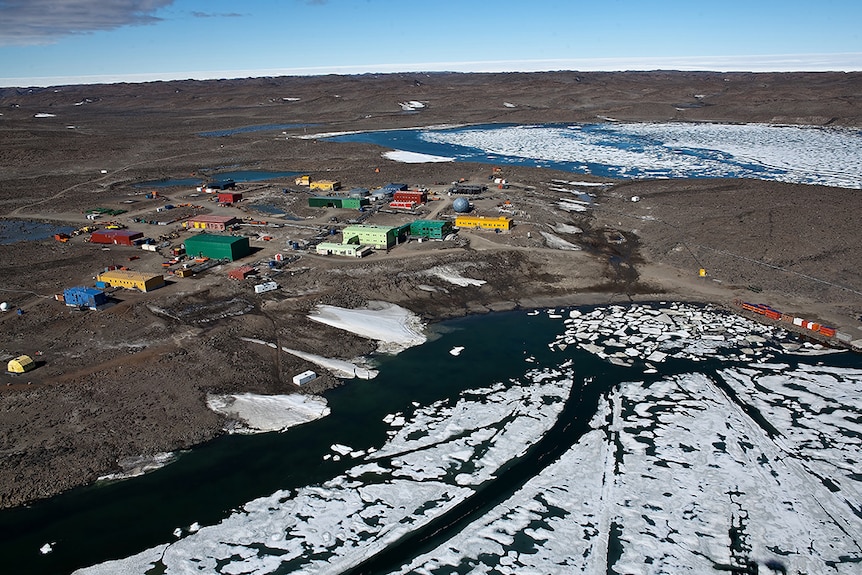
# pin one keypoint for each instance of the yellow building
(131, 280)
(325, 185)
(21, 364)
(303, 180)
(501, 223)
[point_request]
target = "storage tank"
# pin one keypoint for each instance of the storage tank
(461, 205)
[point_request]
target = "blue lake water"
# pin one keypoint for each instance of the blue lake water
(235, 175)
(250, 129)
(14, 231)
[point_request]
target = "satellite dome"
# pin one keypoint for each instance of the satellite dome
(461, 205)
(4, 306)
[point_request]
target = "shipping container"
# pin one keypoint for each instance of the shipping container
(265, 287)
(304, 377)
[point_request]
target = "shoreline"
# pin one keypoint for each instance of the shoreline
(132, 380)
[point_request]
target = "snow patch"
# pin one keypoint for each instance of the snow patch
(394, 327)
(414, 157)
(262, 413)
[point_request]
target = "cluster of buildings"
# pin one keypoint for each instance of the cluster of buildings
(358, 240)
(213, 246)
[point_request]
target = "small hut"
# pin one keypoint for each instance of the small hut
(21, 364)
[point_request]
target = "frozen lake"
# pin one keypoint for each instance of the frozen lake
(796, 154)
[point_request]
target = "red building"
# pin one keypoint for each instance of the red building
(241, 273)
(410, 196)
(229, 197)
(119, 237)
(402, 205)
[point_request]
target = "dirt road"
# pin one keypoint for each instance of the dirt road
(132, 380)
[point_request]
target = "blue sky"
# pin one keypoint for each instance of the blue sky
(47, 42)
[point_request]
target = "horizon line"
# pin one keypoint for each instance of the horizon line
(834, 62)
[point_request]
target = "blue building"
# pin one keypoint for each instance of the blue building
(84, 297)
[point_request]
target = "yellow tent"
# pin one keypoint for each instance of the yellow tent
(21, 364)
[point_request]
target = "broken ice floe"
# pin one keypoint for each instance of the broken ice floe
(644, 333)
(677, 476)
(687, 474)
(428, 465)
(456, 351)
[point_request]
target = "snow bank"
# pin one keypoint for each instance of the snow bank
(414, 157)
(453, 276)
(135, 466)
(261, 413)
(338, 367)
(411, 106)
(559, 243)
(394, 327)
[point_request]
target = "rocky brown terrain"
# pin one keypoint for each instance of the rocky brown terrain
(132, 379)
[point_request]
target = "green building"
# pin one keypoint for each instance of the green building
(379, 237)
(217, 247)
(342, 202)
(432, 229)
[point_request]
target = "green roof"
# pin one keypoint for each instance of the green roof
(215, 239)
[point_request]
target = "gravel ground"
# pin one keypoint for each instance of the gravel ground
(131, 380)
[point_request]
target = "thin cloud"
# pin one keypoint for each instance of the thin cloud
(216, 15)
(30, 22)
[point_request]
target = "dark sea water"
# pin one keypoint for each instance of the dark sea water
(116, 519)
(119, 519)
